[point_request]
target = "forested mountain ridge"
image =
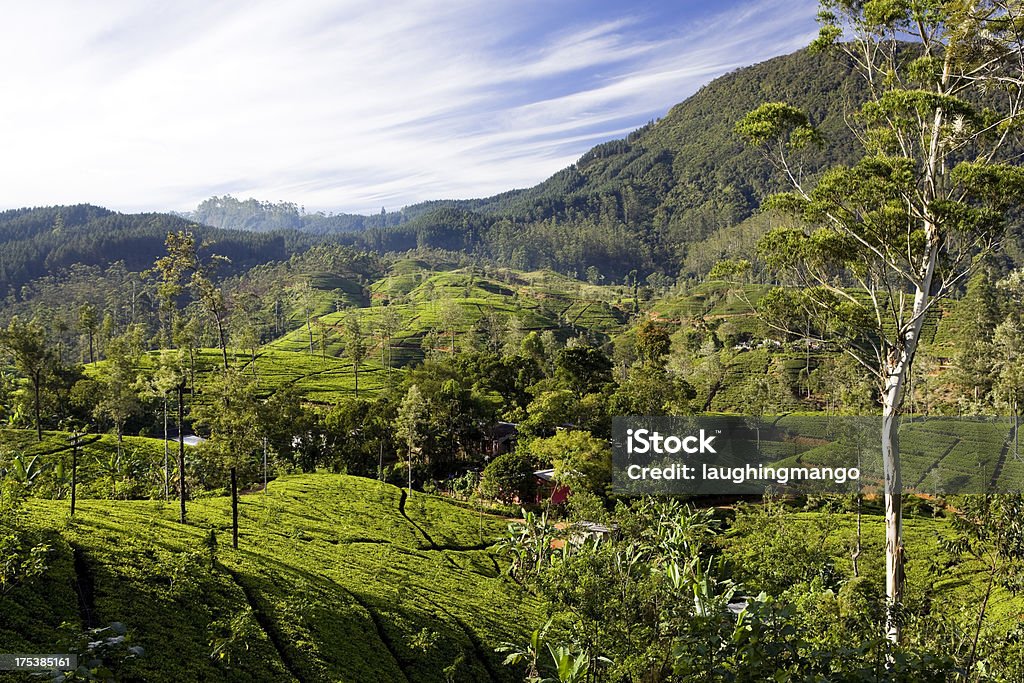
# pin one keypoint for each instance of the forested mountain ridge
(35, 242)
(688, 173)
(643, 201)
(635, 203)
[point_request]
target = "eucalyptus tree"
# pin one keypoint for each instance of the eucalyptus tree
(181, 268)
(412, 425)
(355, 345)
(450, 317)
(88, 323)
(26, 343)
(173, 270)
(882, 241)
(120, 380)
(161, 384)
(211, 298)
(231, 414)
(304, 297)
(388, 323)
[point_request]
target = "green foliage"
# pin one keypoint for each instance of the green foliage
(653, 342)
(774, 120)
(770, 551)
(337, 578)
(582, 369)
(657, 599)
(651, 391)
(231, 416)
(23, 555)
(579, 459)
(510, 477)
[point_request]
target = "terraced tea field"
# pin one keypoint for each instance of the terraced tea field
(336, 579)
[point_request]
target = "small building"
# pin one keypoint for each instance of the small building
(190, 440)
(549, 489)
(586, 531)
(501, 438)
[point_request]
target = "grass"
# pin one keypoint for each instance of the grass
(137, 473)
(539, 300)
(937, 455)
(336, 578)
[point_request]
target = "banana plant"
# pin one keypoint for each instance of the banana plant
(61, 481)
(16, 416)
(569, 667)
(25, 472)
(528, 653)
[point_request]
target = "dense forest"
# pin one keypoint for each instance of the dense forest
(647, 202)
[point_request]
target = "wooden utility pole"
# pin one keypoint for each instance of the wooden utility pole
(74, 468)
(181, 449)
(234, 508)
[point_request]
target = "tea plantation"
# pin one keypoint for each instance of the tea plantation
(336, 579)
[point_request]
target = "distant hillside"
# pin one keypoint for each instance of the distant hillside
(41, 241)
(261, 216)
(640, 202)
(636, 203)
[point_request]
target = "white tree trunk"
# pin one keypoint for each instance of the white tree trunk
(897, 371)
(893, 508)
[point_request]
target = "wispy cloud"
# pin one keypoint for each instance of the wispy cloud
(345, 107)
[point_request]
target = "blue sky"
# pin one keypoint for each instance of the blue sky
(346, 106)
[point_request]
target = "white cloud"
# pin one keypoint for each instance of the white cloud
(158, 106)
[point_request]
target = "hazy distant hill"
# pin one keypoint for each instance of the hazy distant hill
(261, 216)
(37, 241)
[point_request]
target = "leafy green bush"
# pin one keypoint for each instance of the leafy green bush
(510, 477)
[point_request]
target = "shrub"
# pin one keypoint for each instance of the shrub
(510, 476)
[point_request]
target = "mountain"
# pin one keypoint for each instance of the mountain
(261, 216)
(38, 241)
(637, 203)
(673, 197)
(644, 201)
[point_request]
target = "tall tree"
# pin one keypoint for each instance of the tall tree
(161, 384)
(355, 345)
(304, 297)
(450, 317)
(26, 342)
(905, 224)
(232, 416)
(119, 399)
(211, 297)
(174, 269)
(182, 266)
(412, 425)
(388, 324)
(88, 322)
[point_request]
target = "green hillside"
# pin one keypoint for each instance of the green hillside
(635, 203)
(639, 202)
(464, 300)
(336, 579)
